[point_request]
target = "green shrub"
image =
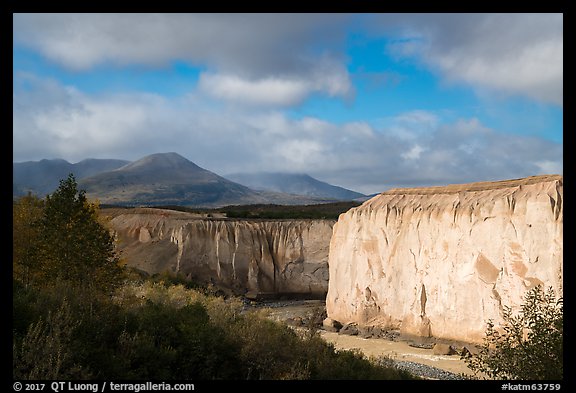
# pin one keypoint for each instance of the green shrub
(164, 342)
(528, 346)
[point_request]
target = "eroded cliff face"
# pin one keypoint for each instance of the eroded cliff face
(259, 257)
(441, 261)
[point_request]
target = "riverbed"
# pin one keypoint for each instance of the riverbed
(418, 360)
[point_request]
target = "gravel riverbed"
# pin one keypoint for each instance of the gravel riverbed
(425, 371)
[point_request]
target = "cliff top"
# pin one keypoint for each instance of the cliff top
(478, 186)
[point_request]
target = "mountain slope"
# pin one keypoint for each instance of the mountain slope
(169, 178)
(43, 177)
(299, 184)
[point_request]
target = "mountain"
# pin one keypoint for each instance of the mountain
(299, 184)
(170, 179)
(157, 179)
(43, 177)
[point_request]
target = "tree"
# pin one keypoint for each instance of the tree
(77, 249)
(26, 215)
(528, 346)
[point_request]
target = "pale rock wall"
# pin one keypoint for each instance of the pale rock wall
(256, 256)
(441, 261)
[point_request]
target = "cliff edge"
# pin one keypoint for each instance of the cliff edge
(441, 261)
(258, 257)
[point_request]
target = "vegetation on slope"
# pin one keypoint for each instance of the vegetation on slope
(329, 211)
(77, 314)
(157, 331)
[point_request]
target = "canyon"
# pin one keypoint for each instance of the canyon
(442, 261)
(255, 258)
(435, 262)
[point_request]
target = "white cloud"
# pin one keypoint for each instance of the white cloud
(63, 122)
(268, 91)
(300, 154)
(325, 77)
(357, 129)
(549, 167)
(418, 117)
(519, 54)
(412, 125)
(413, 153)
(331, 77)
(536, 71)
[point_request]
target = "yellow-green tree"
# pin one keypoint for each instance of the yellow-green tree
(76, 248)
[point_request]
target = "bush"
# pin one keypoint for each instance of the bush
(45, 351)
(151, 330)
(164, 342)
(528, 346)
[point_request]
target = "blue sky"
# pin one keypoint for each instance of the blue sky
(364, 101)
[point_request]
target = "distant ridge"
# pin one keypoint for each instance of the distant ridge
(43, 177)
(299, 184)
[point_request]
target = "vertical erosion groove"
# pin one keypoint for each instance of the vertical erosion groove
(423, 299)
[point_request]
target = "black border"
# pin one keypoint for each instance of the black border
(356, 6)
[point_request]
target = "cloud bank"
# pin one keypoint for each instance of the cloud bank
(64, 122)
(518, 54)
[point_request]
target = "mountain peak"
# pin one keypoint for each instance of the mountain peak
(167, 156)
(161, 161)
(162, 178)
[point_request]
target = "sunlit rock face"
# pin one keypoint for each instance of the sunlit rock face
(441, 261)
(260, 257)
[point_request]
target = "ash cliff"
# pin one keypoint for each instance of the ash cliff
(441, 261)
(261, 257)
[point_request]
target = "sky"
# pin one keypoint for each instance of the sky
(364, 101)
